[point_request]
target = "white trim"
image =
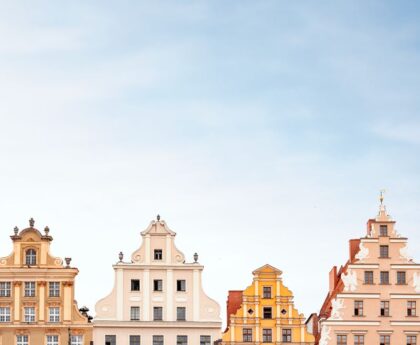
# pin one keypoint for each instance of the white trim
(405, 323)
(169, 295)
(146, 295)
(369, 240)
(408, 266)
(358, 295)
(363, 266)
(351, 323)
(147, 249)
(168, 253)
(398, 240)
(196, 295)
(402, 296)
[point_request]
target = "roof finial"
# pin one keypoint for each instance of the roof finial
(31, 222)
(158, 217)
(382, 196)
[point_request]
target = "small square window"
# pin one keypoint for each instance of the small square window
(181, 285)
(267, 292)
(267, 313)
(157, 285)
(158, 254)
(181, 313)
(135, 285)
(205, 340)
(383, 230)
(181, 340)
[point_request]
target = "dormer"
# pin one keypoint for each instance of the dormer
(158, 246)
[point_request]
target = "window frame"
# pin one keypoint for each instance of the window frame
(399, 280)
(29, 289)
(30, 258)
(5, 315)
(53, 290)
(369, 278)
(269, 311)
(247, 335)
(157, 285)
(157, 309)
(52, 317)
(411, 308)
(135, 285)
(181, 285)
(134, 313)
(158, 254)
(358, 308)
(267, 335)
(286, 335)
(384, 251)
(183, 314)
(382, 275)
(5, 289)
(267, 294)
(29, 314)
(52, 342)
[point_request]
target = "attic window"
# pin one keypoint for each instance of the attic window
(158, 254)
(30, 257)
(383, 230)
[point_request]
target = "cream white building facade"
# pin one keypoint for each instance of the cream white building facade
(157, 298)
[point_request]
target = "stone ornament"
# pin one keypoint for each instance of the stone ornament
(404, 254)
(363, 252)
(337, 305)
(325, 335)
(350, 281)
(416, 281)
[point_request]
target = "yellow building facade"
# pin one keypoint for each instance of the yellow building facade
(37, 305)
(264, 313)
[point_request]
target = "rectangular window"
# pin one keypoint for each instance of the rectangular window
(205, 340)
(358, 308)
(29, 289)
(4, 314)
(368, 277)
(384, 277)
(411, 340)
(247, 335)
(411, 308)
(54, 314)
(359, 340)
(341, 339)
(54, 289)
(181, 285)
(157, 313)
(287, 335)
(267, 314)
(267, 292)
(267, 335)
(384, 251)
(158, 340)
(4, 289)
(181, 340)
(384, 308)
(385, 340)
(383, 230)
(401, 278)
(181, 314)
(157, 285)
(158, 254)
(135, 313)
(110, 340)
(29, 314)
(52, 340)
(22, 340)
(77, 340)
(134, 340)
(135, 285)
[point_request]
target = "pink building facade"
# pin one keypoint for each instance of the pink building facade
(374, 298)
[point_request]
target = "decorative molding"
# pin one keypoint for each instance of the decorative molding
(325, 335)
(416, 281)
(350, 281)
(363, 252)
(337, 305)
(358, 295)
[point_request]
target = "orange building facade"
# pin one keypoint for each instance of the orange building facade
(373, 298)
(37, 305)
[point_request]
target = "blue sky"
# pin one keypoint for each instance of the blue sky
(262, 131)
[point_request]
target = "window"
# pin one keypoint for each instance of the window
(383, 230)
(54, 289)
(52, 340)
(30, 257)
(267, 314)
(181, 285)
(158, 340)
(135, 313)
(134, 340)
(401, 278)
(4, 289)
(267, 335)
(54, 314)
(29, 314)
(287, 335)
(358, 308)
(110, 340)
(181, 340)
(385, 340)
(411, 340)
(341, 339)
(368, 277)
(384, 308)
(4, 314)
(181, 314)
(22, 340)
(384, 277)
(359, 340)
(29, 289)
(157, 313)
(158, 254)
(411, 308)
(205, 340)
(157, 285)
(135, 285)
(78, 340)
(384, 251)
(247, 335)
(267, 292)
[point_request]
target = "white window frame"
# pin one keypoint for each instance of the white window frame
(54, 289)
(30, 289)
(4, 314)
(5, 289)
(29, 313)
(135, 313)
(76, 340)
(53, 339)
(22, 340)
(54, 314)
(30, 259)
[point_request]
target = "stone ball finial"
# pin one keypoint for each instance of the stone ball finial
(121, 256)
(47, 230)
(158, 217)
(16, 230)
(31, 222)
(68, 261)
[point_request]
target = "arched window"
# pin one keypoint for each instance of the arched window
(31, 257)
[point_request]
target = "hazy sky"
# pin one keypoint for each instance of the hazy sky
(261, 131)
